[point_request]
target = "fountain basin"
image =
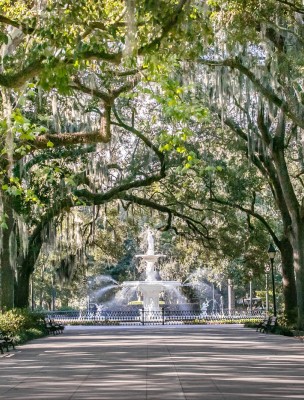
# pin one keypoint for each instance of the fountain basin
(162, 285)
(150, 291)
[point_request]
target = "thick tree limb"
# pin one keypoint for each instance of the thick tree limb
(53, 155)
(101, 198)
(33, 69)
(251, 212)
(166, 28)
(265, 165)
(69, 139)
(23, 27)
(195, 225)
(18, 79)
(292, 5)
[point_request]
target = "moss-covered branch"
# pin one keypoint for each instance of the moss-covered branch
(114, 193)
(56, 154)
(168, 25)
(266, 91)
(141, 136)
(69, 139)
(249, 211)
(16, 24)
(196, 226)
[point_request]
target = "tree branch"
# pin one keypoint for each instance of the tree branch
(19, 25)
(53, 155)
(147, 141)
(114, 193)
(102, 95)
(33, 69)
(267, 92)
(20, 78)
(268, 170)
(191, 222)
(170, 23)
(293, 6)
(249, 211)
(68, 139)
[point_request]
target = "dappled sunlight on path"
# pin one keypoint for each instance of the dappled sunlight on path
(202, 362)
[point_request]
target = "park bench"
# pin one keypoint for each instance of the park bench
(2, 346)
(267, 325)
(261, 324)
(52, 327)
(6, 341)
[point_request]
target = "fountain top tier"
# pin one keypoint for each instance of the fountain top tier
(150, 256)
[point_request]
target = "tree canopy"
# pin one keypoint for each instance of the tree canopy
(191, 110)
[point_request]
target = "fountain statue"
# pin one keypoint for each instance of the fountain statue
(150, 240)
(152, 286)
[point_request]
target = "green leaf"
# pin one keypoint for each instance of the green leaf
(15, 191)
(50, 144)
(4, 225)
(3, 38)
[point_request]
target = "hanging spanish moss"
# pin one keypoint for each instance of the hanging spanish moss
(64, 242)
(23, 235)
(130, 45)
(9, 137)
(2, 224)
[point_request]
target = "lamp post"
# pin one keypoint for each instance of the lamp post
(267, 269)
(230, 296)
(89, 283)
(250, 273)
(271, 255)
(213, 298)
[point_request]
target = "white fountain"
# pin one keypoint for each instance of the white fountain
(151, 288)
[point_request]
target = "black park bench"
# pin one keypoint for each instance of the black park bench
(6, 341)
(267, 325)
(52, 327)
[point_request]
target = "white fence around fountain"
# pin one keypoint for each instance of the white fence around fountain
(142, 317)
(162, 301)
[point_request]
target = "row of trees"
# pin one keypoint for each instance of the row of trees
(191, 110)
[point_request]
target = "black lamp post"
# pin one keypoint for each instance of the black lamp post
(250, 273)
(271, 255)
(267, 270)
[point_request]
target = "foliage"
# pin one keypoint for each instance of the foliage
(22, 324)
(167, 141)
(24, 336)
(280, 329)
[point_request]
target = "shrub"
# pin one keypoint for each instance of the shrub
(279, 329)
(29, 334)
(12, 322)
(282, 330)
(22, 324)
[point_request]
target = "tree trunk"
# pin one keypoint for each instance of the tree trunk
(6, 269)
(289, 283)
(297, 240)
(295, 230)
(22, 289)
(25, 270)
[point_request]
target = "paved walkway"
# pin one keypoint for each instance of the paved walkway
(155, 363)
